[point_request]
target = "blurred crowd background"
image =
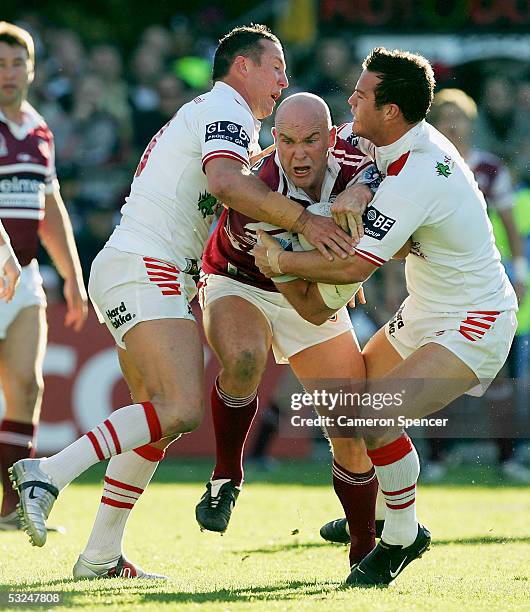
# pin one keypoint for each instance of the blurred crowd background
(109, 75)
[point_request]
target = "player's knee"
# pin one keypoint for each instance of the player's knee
(185, 419)
(245, 366)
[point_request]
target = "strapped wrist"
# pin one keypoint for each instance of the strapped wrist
(273, 257)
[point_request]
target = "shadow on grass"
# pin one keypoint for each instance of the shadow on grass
(275, 548)
(295, 472)
(76, 597)
(479, 540)
(303, 546)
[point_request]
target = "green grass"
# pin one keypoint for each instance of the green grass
(272, 557)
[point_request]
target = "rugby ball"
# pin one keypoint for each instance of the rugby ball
(334, 296)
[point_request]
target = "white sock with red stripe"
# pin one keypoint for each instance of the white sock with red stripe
(125, 429)
(397, 467)
(126, 478)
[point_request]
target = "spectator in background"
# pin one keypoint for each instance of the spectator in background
(501, 127)
(93, 155)
(172, 94)
(159, 40)
(64, 65)
(147, 66)
(453, 112)
(106, 63)
(327, 78)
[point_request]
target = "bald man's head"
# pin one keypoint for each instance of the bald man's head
(303, 133)
(305, 106)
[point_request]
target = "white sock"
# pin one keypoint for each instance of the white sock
(126, 478)
(125, 429)
(397, 467)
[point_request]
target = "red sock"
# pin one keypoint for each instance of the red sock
(16, 442)
(357, 493)
(232, 419)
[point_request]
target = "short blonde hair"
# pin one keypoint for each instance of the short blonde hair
(457, 98)
(18, 36)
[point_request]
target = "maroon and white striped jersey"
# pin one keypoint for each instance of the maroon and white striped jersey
(493, 178)
(27, 174)
(228, 250)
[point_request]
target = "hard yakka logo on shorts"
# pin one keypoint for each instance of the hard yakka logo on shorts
(396, 322)
(119, 316)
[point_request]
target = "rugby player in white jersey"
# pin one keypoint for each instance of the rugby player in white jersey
(33, 212)
(141, 282)
(245, 315)
(453, 332)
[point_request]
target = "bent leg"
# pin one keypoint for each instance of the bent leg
(392, 452)
(173, 380)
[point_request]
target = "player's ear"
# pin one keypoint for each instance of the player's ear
(392, 112)
(240, 64)
(332, 137)
(274, 133)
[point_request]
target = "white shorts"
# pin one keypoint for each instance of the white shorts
(29, 292)
(481, 339)
(290, 332)
(127, 289)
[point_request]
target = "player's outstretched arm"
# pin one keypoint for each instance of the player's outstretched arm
(233, 185)
(9, 267)
(272, 261)
(57, 237)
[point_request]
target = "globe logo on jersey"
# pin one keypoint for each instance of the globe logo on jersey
(228, 131)
(371, 215)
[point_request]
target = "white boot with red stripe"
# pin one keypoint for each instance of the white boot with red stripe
(117, 568)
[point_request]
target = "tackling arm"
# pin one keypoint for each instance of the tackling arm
(232, 184)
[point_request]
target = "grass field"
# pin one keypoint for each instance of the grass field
(272, 558)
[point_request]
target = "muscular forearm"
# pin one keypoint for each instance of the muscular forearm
(305, 298)
(313, 267)
(57, 238)
(249, 195)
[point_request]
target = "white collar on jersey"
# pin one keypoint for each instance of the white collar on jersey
(332, 171)
(384, 156)
(221, 86)
(30, 120)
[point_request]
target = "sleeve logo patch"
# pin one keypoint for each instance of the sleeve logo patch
(376, 224)
(227, 130)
